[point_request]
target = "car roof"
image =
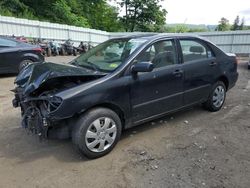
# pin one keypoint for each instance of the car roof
(9, 38)
(152, 36)
(19, 43)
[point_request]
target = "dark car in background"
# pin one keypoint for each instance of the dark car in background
(121, 83)
(14, 55)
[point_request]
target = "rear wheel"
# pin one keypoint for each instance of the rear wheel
(49, 52)
(97, 132)
(217, 97)
(63, 52)
(74, 52)
(24, 63)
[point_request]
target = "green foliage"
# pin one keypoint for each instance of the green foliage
(223, 25)
(15, 8)
(143, 15)
(236, 24)
(97, 14)
(62, 14)
(182, 28)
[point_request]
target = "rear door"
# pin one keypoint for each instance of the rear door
(200, 67)
(157, 92)
(8, 56)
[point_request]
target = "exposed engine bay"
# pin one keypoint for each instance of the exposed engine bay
(39, 102)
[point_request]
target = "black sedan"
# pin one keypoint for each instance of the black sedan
(121, 83)
(14, 55)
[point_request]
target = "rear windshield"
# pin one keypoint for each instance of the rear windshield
(7, 43)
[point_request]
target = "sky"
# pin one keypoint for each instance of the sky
(206, 12)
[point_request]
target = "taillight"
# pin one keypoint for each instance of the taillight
(39, 50)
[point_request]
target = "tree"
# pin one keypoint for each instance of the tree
(15, 8)
(143, 15)
(242, 25)
(97, 14)
(236, 24)
(223, 25)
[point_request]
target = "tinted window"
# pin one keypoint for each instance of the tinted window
(161, 54)
(193, 50)
(7, 43)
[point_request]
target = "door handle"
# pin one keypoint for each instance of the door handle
(178, 73)
(212, 63)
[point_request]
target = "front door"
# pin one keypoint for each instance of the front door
(157, 92)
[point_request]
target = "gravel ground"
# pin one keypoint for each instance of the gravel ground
(192, 148)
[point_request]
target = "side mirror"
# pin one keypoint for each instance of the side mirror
(142, 67)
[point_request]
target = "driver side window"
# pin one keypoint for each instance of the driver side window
(161, 54)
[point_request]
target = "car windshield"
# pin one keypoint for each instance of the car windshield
(108, 56)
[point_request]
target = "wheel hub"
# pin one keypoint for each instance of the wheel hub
(218, 96)
(101, 134)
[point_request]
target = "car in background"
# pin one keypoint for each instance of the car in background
(14, 55)
(99, 94)
(22, 39)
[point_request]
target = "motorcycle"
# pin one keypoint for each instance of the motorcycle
(55, 48)
(82, 48)
(68, 48)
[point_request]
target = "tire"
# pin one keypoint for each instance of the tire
(56, 52)
(74, 52)
(63, 53)
(24, 63)
(216, 98)
(97, 132)
(49, 52)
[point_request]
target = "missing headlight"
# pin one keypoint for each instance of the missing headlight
(52, 103)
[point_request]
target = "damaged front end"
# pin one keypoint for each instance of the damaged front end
(35, 111)
(35, 93)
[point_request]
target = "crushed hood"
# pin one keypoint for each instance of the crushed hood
(34, 75)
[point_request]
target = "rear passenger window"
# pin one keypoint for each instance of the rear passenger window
(193, 50)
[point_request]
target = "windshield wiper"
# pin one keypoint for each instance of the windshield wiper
(94, 66)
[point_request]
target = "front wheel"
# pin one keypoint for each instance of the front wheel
(97, 132)
(49, 52)
(216, 98)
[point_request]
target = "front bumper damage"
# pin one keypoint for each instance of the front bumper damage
(35, 116)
